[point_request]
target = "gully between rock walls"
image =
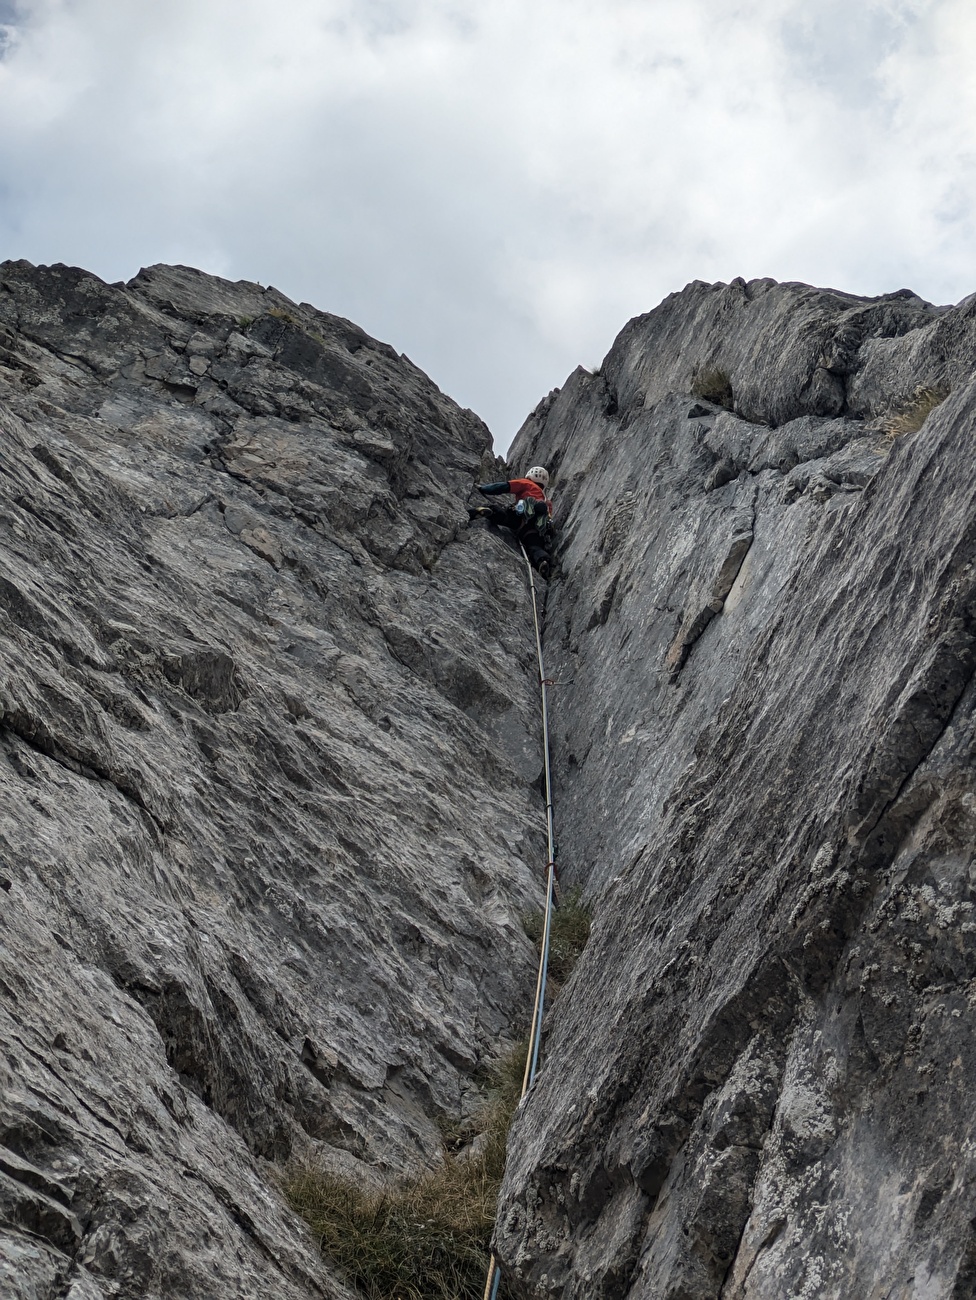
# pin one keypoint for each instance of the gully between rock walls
(269, 800)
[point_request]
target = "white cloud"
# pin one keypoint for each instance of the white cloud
(495, 188)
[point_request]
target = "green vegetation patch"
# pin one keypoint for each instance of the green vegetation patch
(427, 1237)
(568, 936)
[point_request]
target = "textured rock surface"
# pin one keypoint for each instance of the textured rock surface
(759, 1081)
(268, 777)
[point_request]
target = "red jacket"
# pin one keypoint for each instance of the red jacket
(525, 487)
(520, 488)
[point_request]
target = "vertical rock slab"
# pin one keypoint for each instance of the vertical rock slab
(268, 764)
(758, 1082)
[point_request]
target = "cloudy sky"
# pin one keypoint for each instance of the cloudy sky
(494, 186)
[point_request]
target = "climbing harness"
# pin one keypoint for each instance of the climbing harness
(537, 514)
(538, 1010)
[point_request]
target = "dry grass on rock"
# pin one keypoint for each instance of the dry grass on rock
(427, 1237)
(913, 413)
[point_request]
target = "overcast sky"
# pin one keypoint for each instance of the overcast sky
(495, 186)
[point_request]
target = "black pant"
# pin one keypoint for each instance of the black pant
(535, 541)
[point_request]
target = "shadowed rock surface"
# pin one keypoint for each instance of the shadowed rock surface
(269, 809)
(758, 1082)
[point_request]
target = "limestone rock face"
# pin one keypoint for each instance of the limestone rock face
(269, 807)
(759, 1081)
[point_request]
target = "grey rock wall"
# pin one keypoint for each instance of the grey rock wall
(759, 1081)
(269, 809)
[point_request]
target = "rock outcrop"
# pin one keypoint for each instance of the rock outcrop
(759, 1081)
(269, 806)
(270, 813)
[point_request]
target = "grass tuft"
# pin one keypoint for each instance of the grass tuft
(713, 385)
(279, 313)
(569, 934)
(427, 1237)
(913, 413)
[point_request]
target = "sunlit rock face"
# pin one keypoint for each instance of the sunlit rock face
(759, 1082)
(269, 762)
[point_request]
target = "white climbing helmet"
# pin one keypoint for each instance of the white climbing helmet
(538, 475)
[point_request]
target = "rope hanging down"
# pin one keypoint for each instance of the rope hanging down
(538, 1010)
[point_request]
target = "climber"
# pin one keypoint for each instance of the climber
(529, 520)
